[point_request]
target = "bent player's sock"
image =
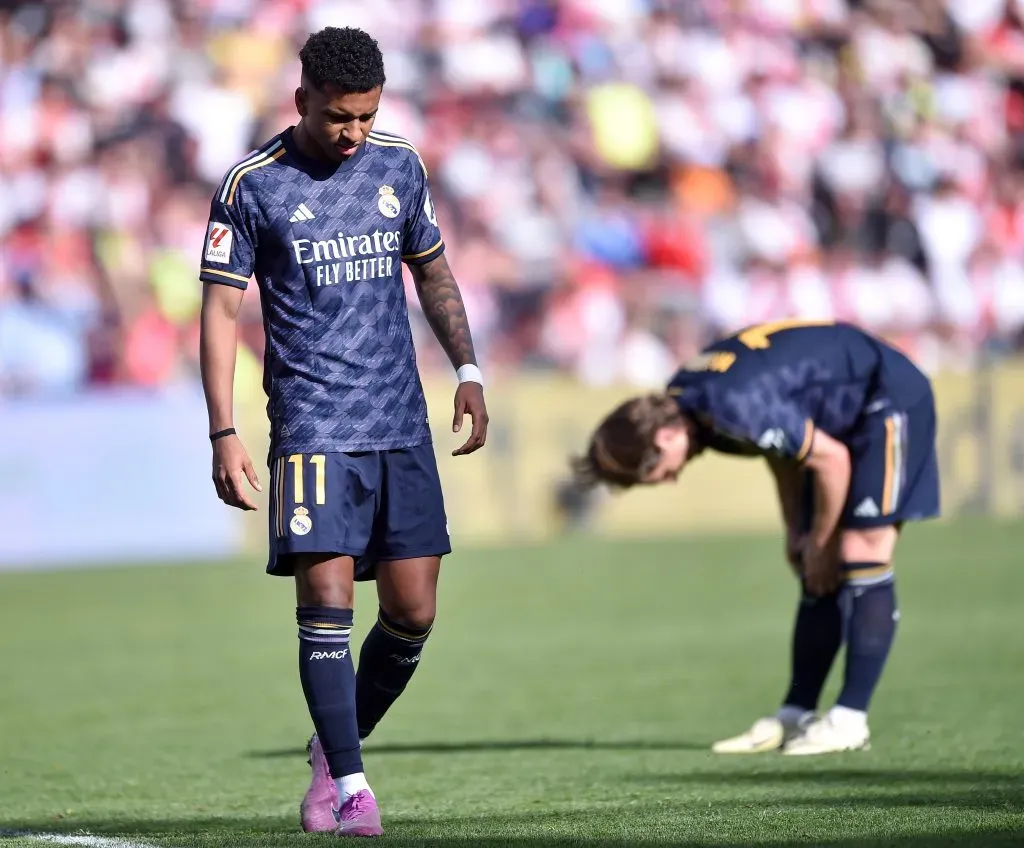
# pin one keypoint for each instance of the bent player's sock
(791, 715)
(329, 684)
(870, 611)
(817, 637)
(387, 661)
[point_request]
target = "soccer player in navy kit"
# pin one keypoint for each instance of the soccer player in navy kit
(323, 216)
(825, 403)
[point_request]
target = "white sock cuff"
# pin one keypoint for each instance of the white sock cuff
(844, 716)
(350, 784)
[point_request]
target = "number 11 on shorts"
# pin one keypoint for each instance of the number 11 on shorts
(319, 462)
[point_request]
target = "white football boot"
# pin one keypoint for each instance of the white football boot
(766, 734)
(829, 735)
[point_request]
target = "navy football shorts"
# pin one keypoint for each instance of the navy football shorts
(372, 505)
(894, 468)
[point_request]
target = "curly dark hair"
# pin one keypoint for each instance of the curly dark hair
(344, 57)
(622, 452)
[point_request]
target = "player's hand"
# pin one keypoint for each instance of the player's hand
(820, 568)
(469, 400)
(231, 468)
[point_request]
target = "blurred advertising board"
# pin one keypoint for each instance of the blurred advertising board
(509, 493)
(125, 477)
(981, 440)
(109, 478)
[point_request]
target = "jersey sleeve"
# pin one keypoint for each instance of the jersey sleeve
(421, 238)
(758, 415)
(229, 250)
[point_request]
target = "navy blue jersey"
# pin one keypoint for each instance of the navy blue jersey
(325, 243)
(766, 389)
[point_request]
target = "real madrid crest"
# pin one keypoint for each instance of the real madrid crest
(387, 202)
(428, 208)
(301, 523)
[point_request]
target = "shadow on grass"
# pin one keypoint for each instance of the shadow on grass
(822, 772)
(489, 746)
(844, 788)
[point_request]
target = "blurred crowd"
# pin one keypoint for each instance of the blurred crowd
(617, 180)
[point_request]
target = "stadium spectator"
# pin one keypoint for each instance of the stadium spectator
(621, 178)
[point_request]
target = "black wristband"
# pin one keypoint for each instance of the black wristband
(220, 434)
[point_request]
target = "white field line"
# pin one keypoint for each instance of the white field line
(76, 839)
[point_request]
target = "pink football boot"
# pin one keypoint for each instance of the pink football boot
(319, 809)
(360, 816)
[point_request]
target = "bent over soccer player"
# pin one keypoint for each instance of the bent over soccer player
(323, 215)
(823, 398)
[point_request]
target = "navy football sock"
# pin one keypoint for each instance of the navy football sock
(387, 661)
(870, 613)
(329, 684)
(817, 637)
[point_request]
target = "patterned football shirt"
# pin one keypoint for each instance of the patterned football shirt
(766, 389)
(326, 243)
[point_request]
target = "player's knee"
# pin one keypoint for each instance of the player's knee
(413, 617)
(326, 596)
(871, 544)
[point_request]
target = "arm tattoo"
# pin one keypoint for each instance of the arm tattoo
(445, 312)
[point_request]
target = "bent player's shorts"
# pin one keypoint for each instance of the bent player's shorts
(894, 474)
(895, 468)
(373, 506)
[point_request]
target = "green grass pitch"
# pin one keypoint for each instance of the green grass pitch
(567, 697)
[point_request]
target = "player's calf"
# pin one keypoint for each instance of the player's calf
(328, 682)
(817, 637)
(407, 588)
(387, 661)
(870, 612)
(870, 615)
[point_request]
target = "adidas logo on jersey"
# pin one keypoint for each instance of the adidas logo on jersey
(301, 213)
(867, 508)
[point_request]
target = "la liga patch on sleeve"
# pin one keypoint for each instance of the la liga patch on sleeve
(218, 243)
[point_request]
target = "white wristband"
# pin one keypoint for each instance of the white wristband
(470, 374)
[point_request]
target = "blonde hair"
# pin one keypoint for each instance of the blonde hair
(622, 451)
